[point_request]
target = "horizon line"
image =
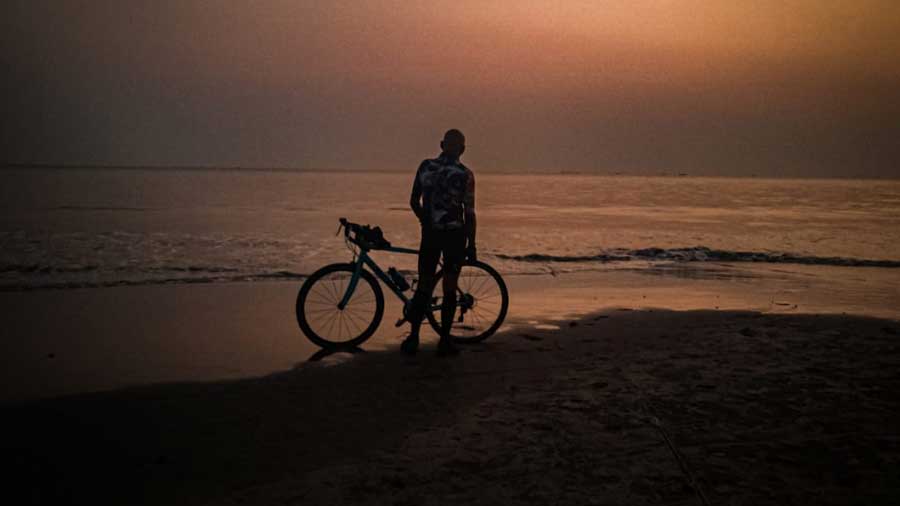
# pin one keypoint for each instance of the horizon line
(541, 171)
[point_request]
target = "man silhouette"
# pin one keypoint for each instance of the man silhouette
(443, 199)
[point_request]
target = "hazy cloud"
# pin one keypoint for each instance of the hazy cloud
(798, 88)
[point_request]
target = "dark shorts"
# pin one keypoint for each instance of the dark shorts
(451, 244)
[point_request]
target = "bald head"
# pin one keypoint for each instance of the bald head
(454, 143)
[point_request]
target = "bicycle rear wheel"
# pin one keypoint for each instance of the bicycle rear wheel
(481, 305)
(319, 316)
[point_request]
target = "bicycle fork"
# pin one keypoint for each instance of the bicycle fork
(351, 287)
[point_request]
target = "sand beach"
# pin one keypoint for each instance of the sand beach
(629, 402)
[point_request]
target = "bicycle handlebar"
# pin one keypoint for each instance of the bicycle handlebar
(347, 226)
(357, 237)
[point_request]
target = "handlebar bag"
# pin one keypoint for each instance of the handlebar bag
(375, 237)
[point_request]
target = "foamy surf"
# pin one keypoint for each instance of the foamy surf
(700, 254)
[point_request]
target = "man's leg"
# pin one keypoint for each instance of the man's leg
(454, 255)
(448, 308)
(429, 254)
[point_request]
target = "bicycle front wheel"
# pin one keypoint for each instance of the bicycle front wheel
(482, 301)
(324, 322)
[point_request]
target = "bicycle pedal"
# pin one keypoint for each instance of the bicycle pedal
(400, 322)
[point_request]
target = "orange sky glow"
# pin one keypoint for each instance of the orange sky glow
(797, 87)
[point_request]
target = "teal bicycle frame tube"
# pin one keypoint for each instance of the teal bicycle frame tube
(353, 281)
(402, 250)
(363, 259)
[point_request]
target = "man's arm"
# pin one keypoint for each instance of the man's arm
(415, 198)
(471, 223)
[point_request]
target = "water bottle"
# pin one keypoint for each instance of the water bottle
(398, 279)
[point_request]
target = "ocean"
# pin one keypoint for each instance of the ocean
(72, 228)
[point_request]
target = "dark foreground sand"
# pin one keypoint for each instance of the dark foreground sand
(624, 407)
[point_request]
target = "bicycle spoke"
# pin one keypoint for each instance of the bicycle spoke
(493, 298)
(476, 318)
(334, 291)
(343, 324)
(359, 310)
(327, 323)
(346, 323)
(321, 296)
(471, 284)
(352, 324)
(321, 302)
(486, 286)
(321, 311)
(324, 287)
(331, 323)
(483, 282)
(492, 309)
(356, 320)
(329, 287)
(356, 325)
(352, 321)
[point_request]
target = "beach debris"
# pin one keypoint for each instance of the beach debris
(747, 331)
(573, 324)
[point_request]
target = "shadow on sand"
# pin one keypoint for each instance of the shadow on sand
(761, 408)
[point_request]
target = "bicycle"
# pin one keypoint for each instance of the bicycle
(335, 310)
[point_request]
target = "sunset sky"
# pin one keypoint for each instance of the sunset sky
(807, 88)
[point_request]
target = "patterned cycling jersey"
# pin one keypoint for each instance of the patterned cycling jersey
(448, 190)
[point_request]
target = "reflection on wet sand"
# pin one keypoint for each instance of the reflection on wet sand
(326, 353)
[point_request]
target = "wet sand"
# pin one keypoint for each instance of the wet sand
(616, 407)
(62, 342)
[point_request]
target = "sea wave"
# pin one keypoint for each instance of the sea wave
(699, 254)
(37, 268)
(100, 208)
(23, 276)
(73, 284)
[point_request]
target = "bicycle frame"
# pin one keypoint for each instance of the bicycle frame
(362, 259)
